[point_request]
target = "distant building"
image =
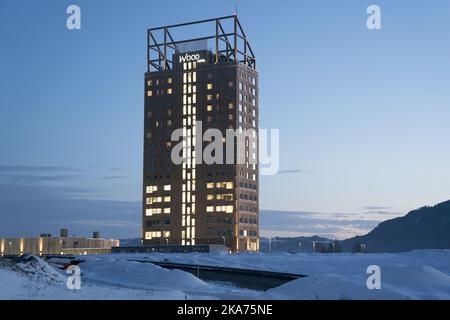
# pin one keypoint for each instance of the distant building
(45, 244)
(199, 84)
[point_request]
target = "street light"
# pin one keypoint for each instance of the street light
(271, 237)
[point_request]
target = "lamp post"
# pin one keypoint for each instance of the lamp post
(271, 237)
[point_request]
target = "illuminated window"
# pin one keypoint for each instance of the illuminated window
(210, 185)
(167, 187)
(228, 197)
(166, 210)
(151, 189)
(231, 105)
(167, 199)
(210, 197)
(169, 80)
(149, 82)
(227, 209)
(209, 86)
(209, 107)
(169, 91)
(149, 93)
(209, 97)
(210, 209)
(152, 234)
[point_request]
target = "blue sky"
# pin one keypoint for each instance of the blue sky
(363, 115)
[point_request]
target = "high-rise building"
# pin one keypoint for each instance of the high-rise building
(196, 84)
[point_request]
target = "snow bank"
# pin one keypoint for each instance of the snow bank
(138, 275)
(421, 274)
(397, 282)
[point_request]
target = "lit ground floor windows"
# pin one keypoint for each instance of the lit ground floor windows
(156, 234)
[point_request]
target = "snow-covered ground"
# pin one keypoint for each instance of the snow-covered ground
(423, 274)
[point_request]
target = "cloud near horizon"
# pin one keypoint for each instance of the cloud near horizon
(36, 200)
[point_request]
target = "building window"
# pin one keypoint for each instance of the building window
(169, 80)
(209, 107)
(209, 97)
(149, 93)
(149, 83)
(169, 91)
(167, 187)
(227, 197)
(167, 199)
(209, 86)
(230, 84)
(210, 209)
(210, 185)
